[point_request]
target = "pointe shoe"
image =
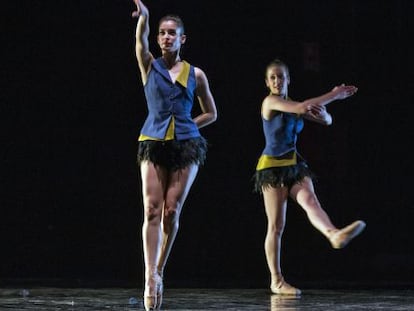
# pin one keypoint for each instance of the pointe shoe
(340, 238)
(150, 302)
(151, 293)
(284, 288)
(160, 292)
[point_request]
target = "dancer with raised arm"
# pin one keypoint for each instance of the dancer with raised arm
(171, 148)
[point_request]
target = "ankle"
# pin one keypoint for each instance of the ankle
(276, 279)
(150, 271)
(329, 233)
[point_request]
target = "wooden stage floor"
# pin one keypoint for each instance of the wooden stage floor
(100, 299)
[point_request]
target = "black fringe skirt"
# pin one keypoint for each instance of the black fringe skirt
(173, 154)
(283, 176)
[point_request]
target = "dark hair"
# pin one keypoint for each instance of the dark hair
(175, 18)
(278, 62)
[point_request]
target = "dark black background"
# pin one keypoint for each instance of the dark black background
(72, 105)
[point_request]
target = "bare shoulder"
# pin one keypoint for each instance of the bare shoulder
(266, 100)
(199, 73)
(270, 99)
(201, 77)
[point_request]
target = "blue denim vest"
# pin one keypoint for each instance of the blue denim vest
(281, 133)
(166, 100)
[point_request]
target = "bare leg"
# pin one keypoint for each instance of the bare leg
(153, 188)
(177, 188)
(179, 184)
(275, 207)
(305, 195)
(275, 201)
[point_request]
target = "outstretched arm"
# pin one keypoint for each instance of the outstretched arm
(310, 108)
(317, 111)
(338, 92)
(144, 57)
(205, 99)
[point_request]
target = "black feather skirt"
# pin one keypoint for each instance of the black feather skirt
(173, 154)
(282, 176)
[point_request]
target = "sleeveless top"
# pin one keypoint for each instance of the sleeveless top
(169, 104)
(280, 136)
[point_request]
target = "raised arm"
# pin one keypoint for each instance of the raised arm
(205, 99)
(144, 57)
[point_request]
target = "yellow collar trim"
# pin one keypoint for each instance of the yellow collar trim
(182, 77)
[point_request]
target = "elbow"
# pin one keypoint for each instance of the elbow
(324, 122)
(213, 116)
(210, 116)
(327, 119)
(327, 122)
(206, 119)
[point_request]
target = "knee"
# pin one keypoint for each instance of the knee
(277, 229)
(171, 214)
(312, 204)
(152, 211)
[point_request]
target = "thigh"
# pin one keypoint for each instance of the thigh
(179, 184)
(275, 202)
(154, 182)
(304, 193)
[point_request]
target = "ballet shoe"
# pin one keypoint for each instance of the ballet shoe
(340, 238)
(150, 303)
(284, 288)
(160, 292)
(151, 294)
(150, 300)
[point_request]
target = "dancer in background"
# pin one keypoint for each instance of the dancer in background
(282, 173)
(171, 148)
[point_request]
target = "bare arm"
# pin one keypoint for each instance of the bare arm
(319, 114)
(144, 56)
(205, 99)
(274, 103)
(317, 111)
(338, 92)
(309, 107)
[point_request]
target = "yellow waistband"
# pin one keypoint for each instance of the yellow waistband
(267, 161)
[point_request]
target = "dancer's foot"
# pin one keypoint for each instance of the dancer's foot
(151, 292)
(340, 238)
(283, 288)
(160, 292)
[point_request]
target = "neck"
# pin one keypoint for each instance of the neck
(171, 59)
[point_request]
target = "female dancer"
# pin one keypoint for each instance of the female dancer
(171, 148)
(281, 172)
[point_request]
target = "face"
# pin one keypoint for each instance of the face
(170, 37)
(277, 80)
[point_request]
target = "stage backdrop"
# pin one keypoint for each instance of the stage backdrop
(72, 105)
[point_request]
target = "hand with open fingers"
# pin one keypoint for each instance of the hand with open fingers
(138, 10)
(344, 91)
